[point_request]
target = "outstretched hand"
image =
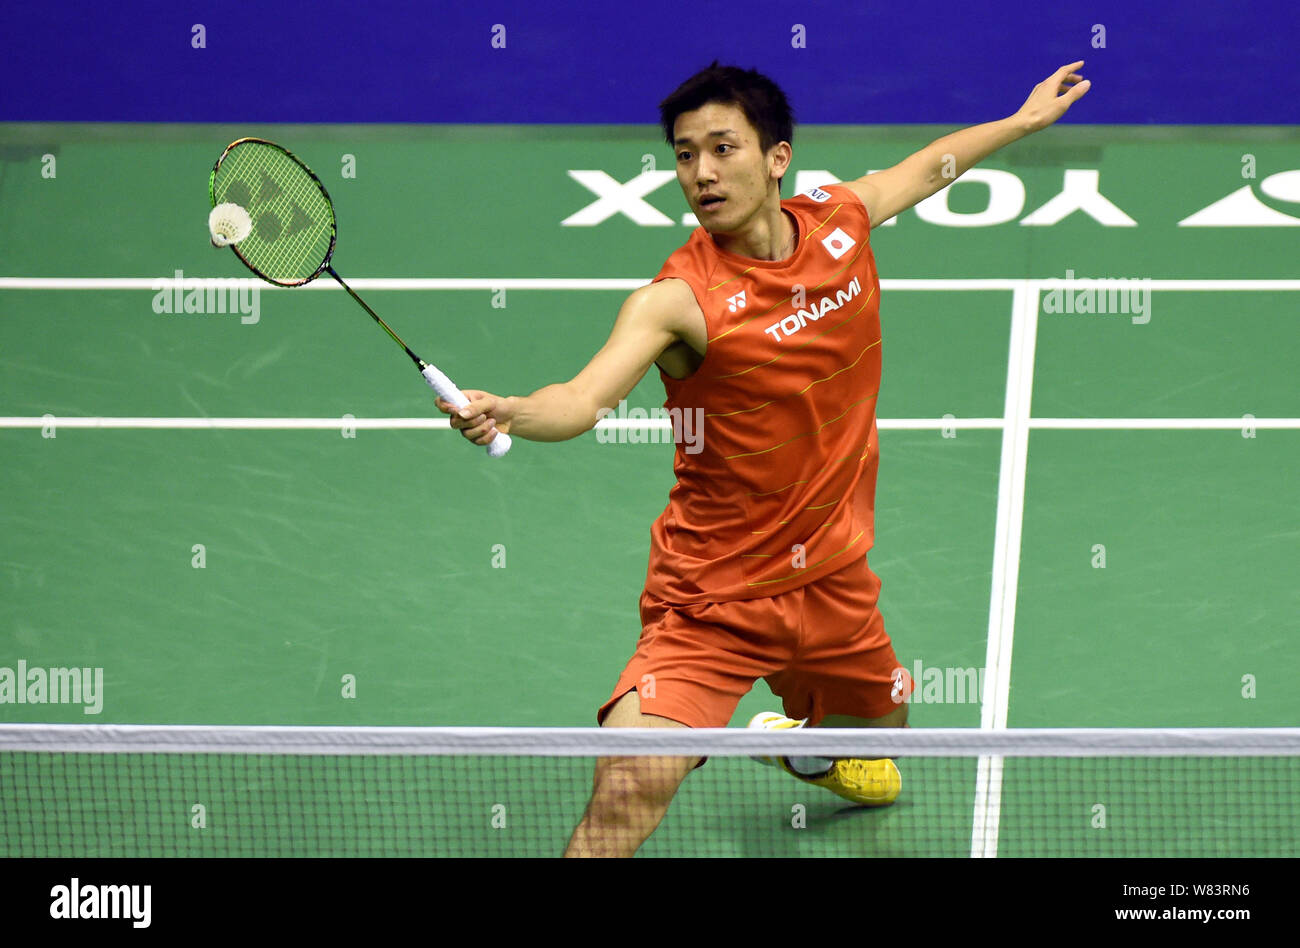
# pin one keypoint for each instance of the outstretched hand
(1053, 96)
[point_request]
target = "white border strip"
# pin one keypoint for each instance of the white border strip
(885, 424)
(332, 424)
(591, 742)
(548, 283)
(306, 424)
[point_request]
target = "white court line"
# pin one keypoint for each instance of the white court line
(1006, 564)
(1166, 424)
(235, 424)
(374, 424)
(546, 283)
(379, 424)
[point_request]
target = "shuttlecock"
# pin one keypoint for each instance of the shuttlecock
(229, 224)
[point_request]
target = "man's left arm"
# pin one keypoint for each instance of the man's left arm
(937, 165)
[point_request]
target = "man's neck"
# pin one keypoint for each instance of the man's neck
(765, 237)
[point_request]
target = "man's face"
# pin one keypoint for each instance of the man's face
(722, 170)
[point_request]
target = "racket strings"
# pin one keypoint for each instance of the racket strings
(293, 220)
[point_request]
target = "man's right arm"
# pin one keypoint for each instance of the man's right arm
(890, 192)
(650, 320)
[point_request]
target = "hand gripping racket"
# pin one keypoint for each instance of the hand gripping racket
(277, 217)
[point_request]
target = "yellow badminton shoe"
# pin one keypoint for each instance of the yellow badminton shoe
(864, 782)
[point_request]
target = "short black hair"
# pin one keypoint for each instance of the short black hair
(761, 99)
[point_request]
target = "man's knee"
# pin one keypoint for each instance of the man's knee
(628, 784)
(626, 712)
(895, 718)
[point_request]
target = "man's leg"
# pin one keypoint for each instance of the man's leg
(848, 677)
(630, 794)
(895, 718)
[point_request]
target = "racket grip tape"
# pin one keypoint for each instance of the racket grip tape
(448, 391)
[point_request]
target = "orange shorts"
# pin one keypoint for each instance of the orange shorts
(821, 648)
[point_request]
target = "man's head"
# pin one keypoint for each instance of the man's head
(731, 130)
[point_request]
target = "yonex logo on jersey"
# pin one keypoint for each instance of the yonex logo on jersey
(800, 318)
(736, 302)
(838, 243)
(818, 195)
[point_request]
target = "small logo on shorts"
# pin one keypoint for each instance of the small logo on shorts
(902, 687)
(935, 684)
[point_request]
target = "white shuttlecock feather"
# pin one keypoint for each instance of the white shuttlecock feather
(229, 224)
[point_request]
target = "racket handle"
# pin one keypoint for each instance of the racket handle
(447, 390)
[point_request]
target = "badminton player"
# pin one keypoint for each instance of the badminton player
(765, 327)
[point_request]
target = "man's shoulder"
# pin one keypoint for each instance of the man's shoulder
(825, 195)
(667, 298)
(692, 261)
(843, 202)
(666, 303)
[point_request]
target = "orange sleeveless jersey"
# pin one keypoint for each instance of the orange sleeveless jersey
(781, 488)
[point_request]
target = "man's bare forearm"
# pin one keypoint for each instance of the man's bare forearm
(553, 413)
(944, 160)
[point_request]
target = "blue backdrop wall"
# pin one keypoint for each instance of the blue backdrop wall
(901, 61)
